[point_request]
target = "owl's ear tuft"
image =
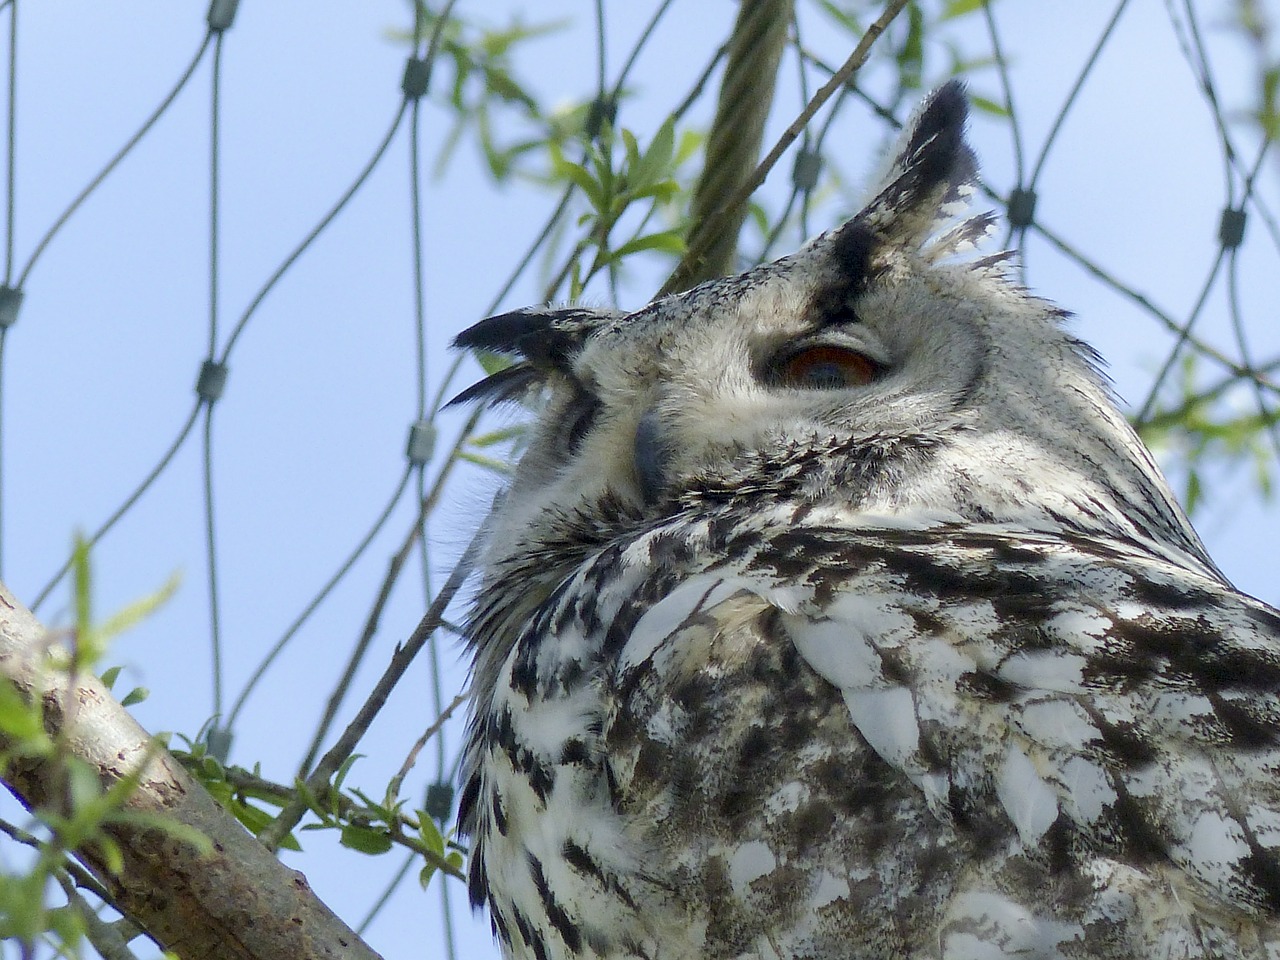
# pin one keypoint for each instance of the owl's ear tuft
(932, 173)
(547, 337)
(508, 385)
(539, 339)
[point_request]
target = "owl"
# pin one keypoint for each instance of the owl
(835, 611)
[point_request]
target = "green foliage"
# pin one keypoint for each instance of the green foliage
(86, 810)
(486, 97)
(1253, 21)
(361, 824)
(239, 798)
(1218, 429)
(433, 841)
(614, 174)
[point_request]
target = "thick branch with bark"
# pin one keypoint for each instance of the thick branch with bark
(234, 901)
(733, 143)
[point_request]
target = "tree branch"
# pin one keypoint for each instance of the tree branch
(733, 143)
(235, 901)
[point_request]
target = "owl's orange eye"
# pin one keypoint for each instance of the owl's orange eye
(827, 367)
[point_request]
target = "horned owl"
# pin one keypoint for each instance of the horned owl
(835, 611)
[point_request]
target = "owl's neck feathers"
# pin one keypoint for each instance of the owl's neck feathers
(942, 480)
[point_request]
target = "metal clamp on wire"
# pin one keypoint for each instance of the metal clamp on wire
(221, 13)
(212, 380)
(416, 76)
(439, 802)
(1231, 228)
(1022, 207)
(10, 303)
(422, 442)
(804, 175)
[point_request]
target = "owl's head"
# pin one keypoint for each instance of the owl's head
(883, 369)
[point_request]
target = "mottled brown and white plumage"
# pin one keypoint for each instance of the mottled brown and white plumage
(836, 612)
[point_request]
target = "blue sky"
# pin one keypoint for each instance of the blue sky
(309, 436)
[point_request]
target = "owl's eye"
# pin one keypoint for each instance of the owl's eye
(826, 367)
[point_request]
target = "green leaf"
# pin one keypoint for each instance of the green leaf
(82, 584)
(491, 363)
(109, 676)
(21, 720)
(988, 106)
(655, 165)
(910, 56)
(137, 611)
(842, 17)
(211, 769)
(340, 777)
(109, 853)
(498, 42)
(370, 840)
(252, 817)
(1195, 491)
(668, 241)
(691, 142)
(83, 786)
(499, 467)
(631, 148)
(67, 926)
(165, 824)
(663, 191)
(494, 437)
(575, 173)
(430, 834)
(220, 791)
(136, 695)
(760, 217)
(958, 8)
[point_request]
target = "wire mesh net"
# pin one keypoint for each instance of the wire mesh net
(238, 241)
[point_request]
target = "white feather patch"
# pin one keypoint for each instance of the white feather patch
(1029, 801)
(672, 612)
(887, 720)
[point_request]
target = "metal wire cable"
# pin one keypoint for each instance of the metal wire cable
(154, 474)
(315, 231)
(111, 164)
(211, 540)
(343, 569)
(11, 143)
(1076, 87)
(10, 218)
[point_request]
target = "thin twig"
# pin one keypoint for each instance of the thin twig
(272, 834)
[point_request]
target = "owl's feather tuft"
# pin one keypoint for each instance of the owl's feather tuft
(542, 339)
(932, 176)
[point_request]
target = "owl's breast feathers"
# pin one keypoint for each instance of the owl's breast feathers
(900, 740)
